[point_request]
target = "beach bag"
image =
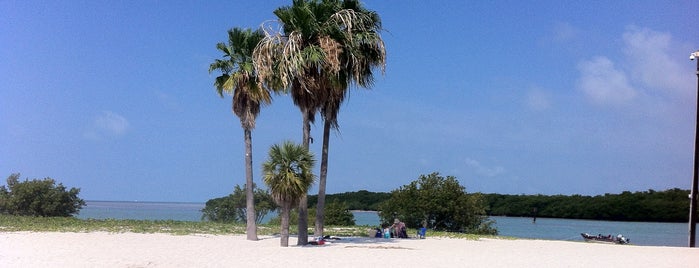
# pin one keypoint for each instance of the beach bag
(402, 233)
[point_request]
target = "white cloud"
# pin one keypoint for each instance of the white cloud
(649, 58)
(650, 68)
(537, 99)
(483, 170)
(603, 83)
(107, 125)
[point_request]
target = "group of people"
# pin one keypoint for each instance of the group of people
(397, 230)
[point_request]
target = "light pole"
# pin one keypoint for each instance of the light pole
(693, 192)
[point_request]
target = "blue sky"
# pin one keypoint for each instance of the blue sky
(513, 97)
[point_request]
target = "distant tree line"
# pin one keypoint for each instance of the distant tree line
(360, 200)
(655, 206)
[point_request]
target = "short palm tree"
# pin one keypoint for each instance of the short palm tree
(238, 78)
(288, 174)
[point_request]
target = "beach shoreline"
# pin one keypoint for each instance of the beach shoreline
(101, 249)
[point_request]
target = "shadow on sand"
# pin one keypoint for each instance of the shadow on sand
(362, 242)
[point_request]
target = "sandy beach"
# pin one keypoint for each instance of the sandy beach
(28, 249)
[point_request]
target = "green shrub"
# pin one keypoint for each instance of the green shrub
(222, 209)
(38, 198)
(439, 203)
(336, 213)
(232, 208)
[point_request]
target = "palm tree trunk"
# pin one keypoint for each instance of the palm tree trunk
(320, 207)
(303, 220)
(286, 207)
(251, 225)
(306, 129)
(303, 202)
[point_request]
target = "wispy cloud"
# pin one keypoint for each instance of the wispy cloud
(647, 68)
(564, 32)
(648, 53)
(603, 83)
(107, 125)
(537, 99)
(561, 35)
(483, 170)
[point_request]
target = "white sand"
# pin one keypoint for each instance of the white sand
(24, 249)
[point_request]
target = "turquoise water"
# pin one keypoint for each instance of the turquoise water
(640, 233)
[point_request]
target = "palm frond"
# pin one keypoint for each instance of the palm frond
(238, 75)
(288, 171)
(320, 47)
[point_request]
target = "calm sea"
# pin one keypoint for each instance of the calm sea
(640, 233)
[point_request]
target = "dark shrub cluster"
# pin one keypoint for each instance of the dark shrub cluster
(37, 197)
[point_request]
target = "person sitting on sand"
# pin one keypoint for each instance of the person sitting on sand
(398, 228)
(379, 232)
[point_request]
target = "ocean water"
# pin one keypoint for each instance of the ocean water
(141, 211)
(175, 211)
(639, 233)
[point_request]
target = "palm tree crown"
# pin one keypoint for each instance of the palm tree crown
(288, 172)
(238, 76)
(321, 38)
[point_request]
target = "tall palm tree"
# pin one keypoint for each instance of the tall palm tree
(361, 50)
(322, 48)
(238, 78)
(288, 174)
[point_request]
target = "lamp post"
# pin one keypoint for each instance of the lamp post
(693, 193)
